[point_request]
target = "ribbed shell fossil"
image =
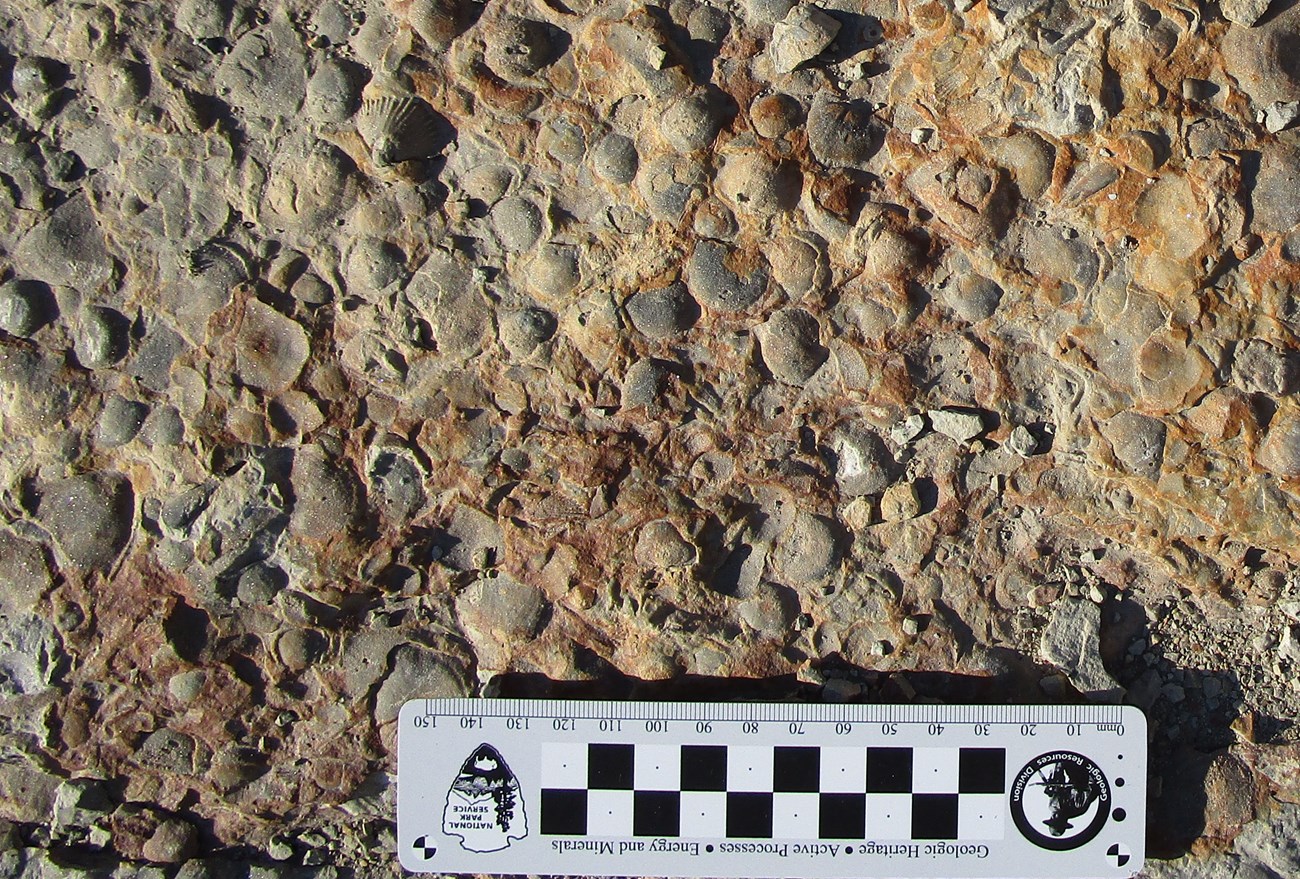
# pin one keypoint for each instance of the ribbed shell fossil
(400, 128)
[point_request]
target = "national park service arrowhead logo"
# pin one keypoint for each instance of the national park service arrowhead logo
(484, 806)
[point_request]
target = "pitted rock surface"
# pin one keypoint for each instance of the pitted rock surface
(361, 350)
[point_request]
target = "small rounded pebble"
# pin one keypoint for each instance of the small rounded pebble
(299, 648)
(775, 115)
(720, 278)
(118, 84)
(615, 158)
(842, 133)
(309, 289)
(119, 422)
(690, 123)
(797, 265)
(396, 485)
(713, 219)
(790, 342)
(271, 349)
(808, 550)
(671, 184)
(524, 329)
(25, 307)
(660, 545)
(517, 223)
(185, 686)
(893, 255)
(259, 583)
(900, 503)
(518, 48)
(334, 91)
(373, 265)
(555, 271)
(972, 296)
(756, 184)
(642, 383)
(102, 339)
(664, 312)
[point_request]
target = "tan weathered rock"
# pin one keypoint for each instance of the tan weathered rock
(441, 348)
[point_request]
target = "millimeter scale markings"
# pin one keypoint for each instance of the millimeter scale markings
(541, 786)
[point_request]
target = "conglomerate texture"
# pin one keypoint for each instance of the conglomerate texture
(353, 351)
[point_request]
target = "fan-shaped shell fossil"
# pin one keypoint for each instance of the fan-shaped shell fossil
(400, 128)
(438, 22)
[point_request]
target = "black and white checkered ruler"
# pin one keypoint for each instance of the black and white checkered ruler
(770, 790)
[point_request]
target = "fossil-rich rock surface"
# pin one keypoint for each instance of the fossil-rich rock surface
(357, 350)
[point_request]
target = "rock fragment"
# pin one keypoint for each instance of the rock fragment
(172, 842)
(1244, 12)
(1022, 441)
(808, 550)
(325, 495)
(660, 545)
(801, 36)
(1071, 642)
(417, 672)
(957, 424)
(1261, 368)
(1280, 115)
(500, 607)
(24, 576)
(1279, 452)
(1263, 59)
(1138, 442)
(90, 517)
(270, 349)
(907, 429)
(862, 463)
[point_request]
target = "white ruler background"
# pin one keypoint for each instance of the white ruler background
(535, 786)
